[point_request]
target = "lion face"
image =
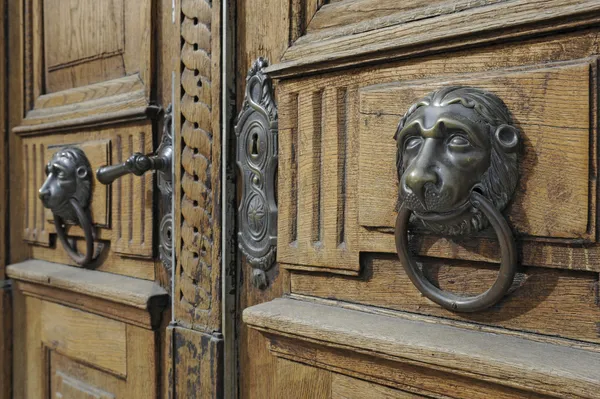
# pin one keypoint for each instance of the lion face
(68, 176)
(449, 146)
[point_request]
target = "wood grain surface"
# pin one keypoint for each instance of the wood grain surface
(486, 24)
(544, 301)
(197, 364)
(60, 345)
(370, 376)
(263, 29)
(123, 298)
(339, 18)
(85, 337)
(83, 32)
(511, 361)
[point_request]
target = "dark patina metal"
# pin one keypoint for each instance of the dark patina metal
(165, 187)
(66, 192)
(138, 164)
(457, 169)
(256, 132)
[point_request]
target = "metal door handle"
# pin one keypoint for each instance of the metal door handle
(138, 164)
(457, 169)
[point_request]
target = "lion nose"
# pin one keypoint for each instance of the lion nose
(44, 194)
(421, 172)
(44, 191)
(417, 178)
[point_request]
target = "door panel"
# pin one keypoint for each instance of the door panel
(547, 109)
(369, 207)
(98, 349)
(84, 74)
(71, 83)
(85, 42)
(121, 212)
(342, 86)
(85, 337)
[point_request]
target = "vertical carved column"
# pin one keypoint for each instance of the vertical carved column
(198, 260)
(196, 340)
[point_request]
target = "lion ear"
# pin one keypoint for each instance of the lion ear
(508, 137)
(81, 172)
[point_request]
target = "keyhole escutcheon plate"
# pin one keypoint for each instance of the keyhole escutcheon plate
(256, 155)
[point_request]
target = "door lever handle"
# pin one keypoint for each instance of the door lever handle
(138, 164)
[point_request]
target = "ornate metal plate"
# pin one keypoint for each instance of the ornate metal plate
(256, 132)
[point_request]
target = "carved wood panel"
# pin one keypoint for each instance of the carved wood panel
(73, 77)
(121, 212)
(79, 354)
(317, 179)
(551, 97)
(197, 281)
(87, 82)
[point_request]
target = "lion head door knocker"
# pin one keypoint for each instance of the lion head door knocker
(457, 170)
(66, 192)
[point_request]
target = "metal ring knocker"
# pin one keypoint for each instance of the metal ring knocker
(66, 192)
(457, 169)
(88, 231)
(506, 275)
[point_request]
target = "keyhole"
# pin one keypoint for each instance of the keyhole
(254, 151)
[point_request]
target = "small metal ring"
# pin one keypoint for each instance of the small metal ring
(457, 303)
(86, 225)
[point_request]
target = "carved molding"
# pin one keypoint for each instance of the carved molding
(330, 42)
(197, 277)
(54, 103)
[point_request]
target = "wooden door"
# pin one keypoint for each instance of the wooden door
(98, 76)
(340, 317)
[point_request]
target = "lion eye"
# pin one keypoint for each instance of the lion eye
(412, 142)
(459, 140)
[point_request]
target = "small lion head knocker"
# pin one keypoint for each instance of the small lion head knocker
(69, 177)
(66, 192)
(457, 169)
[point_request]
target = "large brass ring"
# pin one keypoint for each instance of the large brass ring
(86, 225)
(495, 293)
